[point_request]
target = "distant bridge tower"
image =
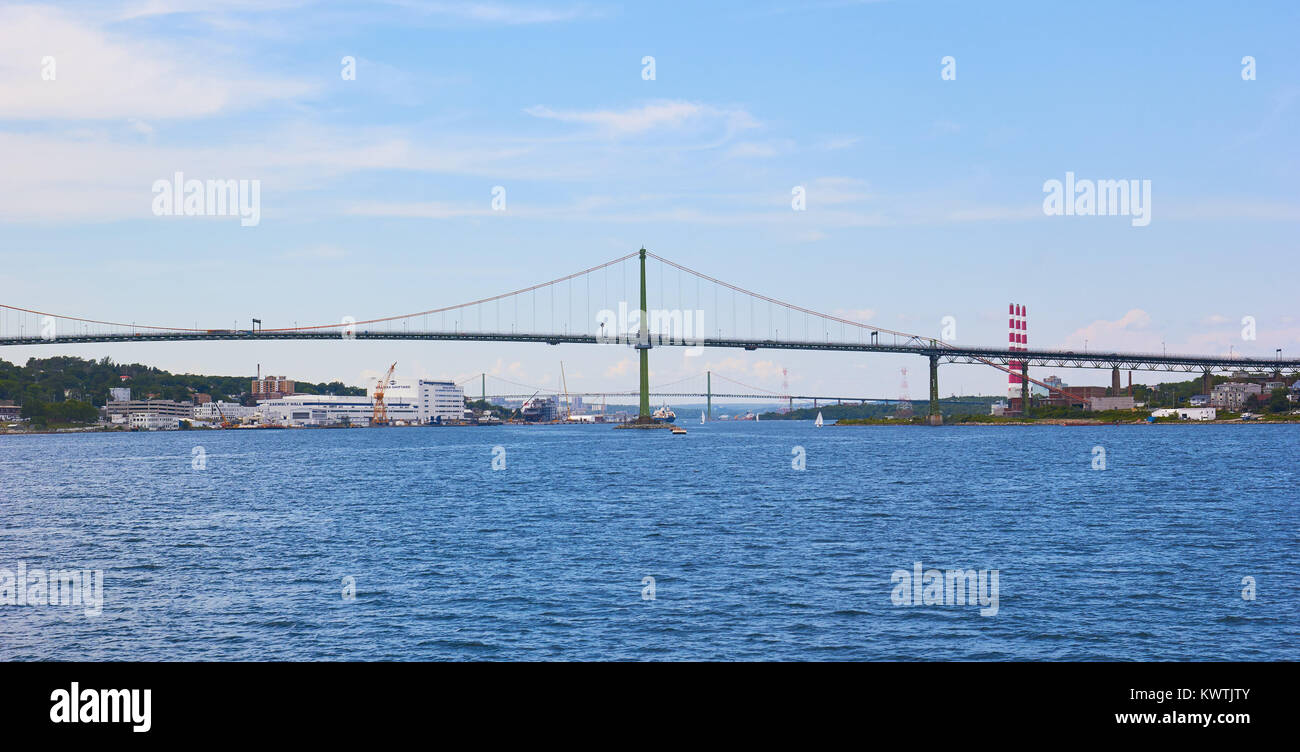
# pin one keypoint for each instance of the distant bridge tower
(904, 409)
(785, 387)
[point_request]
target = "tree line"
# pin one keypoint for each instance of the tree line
(68, 389)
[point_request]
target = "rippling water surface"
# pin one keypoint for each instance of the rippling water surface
(751, 559)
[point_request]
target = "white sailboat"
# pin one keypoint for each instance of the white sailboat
(819, 419)
(756, 417)
(701, 417)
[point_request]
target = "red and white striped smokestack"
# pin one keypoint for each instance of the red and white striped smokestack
(1017, 340)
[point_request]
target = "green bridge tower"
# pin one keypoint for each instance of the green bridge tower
(643, 344)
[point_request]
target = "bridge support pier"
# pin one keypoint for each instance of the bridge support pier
(1024, 388)
(936, 417)
(709, 392)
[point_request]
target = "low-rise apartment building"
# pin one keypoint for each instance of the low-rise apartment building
(1232, 395)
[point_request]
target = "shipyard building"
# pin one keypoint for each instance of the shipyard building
(407, 401)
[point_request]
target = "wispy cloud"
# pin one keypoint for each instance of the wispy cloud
(670, 115)
(499, 13)
(97, 75)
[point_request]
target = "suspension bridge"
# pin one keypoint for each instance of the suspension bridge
(592, 307)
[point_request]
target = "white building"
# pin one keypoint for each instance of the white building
(153, 422)
(1186, 413)
(330, 409)
(214, 411)
(435, 401)
(405, 401)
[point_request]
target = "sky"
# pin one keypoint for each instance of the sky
(922, 135)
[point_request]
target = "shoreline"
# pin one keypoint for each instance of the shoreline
(1066, 423)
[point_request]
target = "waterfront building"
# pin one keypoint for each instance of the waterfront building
(1074, 396)
(1232, 395)
(166, 408)
(1097, 404)
(435, 401)
(331, 409)
(214, 411)
(1186, 413)
(153, 422)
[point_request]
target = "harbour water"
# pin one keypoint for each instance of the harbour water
(239, 545)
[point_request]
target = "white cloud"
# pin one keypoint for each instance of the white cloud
(658, 115)
(497, 13)
(621, 368)
(153, 8)
(100, 76)
(1127, 333)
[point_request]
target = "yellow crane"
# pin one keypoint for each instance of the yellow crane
(225, 423)
(380, 417)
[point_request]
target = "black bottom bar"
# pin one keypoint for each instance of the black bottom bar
(332, 702)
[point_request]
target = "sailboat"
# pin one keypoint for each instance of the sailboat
(756, 416)
(819, 419)
(701, 417)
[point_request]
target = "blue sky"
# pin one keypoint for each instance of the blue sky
(924, 196)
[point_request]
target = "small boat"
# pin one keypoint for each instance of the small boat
(756, 416)
(701, 417)
(678, 431)
(818, 423)
(665, 414)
